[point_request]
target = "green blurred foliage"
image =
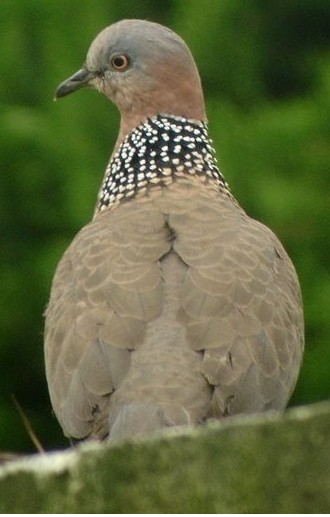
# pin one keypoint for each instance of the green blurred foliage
(265, 67)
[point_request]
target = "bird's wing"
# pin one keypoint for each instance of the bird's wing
(106, 287)
(241, 303)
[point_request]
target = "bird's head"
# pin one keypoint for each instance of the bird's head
(144, 69)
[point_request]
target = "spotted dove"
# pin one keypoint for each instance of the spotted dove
(172, 306)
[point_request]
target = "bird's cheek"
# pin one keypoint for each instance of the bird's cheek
(120, 93)
(97, 83)
(111, 86)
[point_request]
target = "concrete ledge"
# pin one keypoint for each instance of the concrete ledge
(260, 464)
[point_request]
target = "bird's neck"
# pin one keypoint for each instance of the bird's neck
(157, 152)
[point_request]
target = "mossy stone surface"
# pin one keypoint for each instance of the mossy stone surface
(267, 463)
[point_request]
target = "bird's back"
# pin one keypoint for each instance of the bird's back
(170, 311)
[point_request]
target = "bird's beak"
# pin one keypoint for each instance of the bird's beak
(75, 82)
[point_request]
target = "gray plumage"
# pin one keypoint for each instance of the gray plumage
(171, 306)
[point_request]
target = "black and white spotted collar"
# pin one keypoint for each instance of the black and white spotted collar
(155, 153)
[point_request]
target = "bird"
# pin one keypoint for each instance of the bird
(171, 307)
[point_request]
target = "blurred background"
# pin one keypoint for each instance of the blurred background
(265, 68)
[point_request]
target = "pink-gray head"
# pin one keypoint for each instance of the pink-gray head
(145, 69)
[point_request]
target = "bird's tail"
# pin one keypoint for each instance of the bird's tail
(136, 419)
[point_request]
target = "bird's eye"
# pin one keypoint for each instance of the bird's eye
(120, 62)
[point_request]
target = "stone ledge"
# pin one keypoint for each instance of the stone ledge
(266, 463)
